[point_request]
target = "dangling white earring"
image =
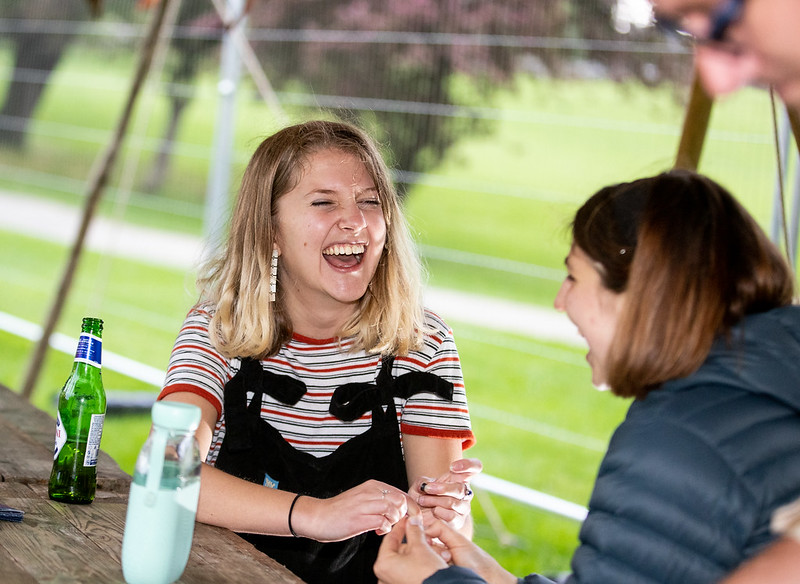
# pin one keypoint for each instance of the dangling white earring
(273, 275)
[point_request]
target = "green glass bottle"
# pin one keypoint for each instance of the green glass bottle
(79, 422)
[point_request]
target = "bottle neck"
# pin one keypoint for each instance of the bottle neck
(171, 432)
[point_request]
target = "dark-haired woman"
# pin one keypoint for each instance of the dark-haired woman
(687, 308)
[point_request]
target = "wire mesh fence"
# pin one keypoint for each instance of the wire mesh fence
(426, 78)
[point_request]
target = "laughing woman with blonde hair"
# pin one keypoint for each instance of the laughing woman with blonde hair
(329, 394)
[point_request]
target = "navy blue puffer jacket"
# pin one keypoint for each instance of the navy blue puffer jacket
(692, 476)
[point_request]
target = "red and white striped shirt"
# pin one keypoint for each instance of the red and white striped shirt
(323, 365)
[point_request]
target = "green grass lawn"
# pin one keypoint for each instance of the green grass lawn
(530, 401)
(537, 420)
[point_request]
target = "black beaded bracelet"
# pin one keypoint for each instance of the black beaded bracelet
(291, 508)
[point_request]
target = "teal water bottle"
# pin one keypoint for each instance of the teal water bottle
(162, 505)
(79, 422)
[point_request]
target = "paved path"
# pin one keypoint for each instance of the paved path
(58, 222)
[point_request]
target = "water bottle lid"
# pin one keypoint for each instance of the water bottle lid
(176, 415)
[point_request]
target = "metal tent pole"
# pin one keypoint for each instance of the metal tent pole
(782, 154)
(216, 210)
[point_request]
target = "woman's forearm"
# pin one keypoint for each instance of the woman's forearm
(242, 506)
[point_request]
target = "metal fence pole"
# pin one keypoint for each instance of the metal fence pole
(216, 209)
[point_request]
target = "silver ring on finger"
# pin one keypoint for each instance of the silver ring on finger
(467, 491)
(384, 492)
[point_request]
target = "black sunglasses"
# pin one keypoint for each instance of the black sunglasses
(720, 19)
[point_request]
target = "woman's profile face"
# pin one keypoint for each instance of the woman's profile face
(330, 235)
(593, 308)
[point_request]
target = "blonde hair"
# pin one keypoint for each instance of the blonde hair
(693, 263)
(390, 316)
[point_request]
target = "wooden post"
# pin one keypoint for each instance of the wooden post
(695, 126)
(97, 183)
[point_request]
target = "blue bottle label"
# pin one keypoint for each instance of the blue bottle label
(89, 350)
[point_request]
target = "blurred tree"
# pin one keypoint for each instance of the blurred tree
(198, 30)
(398, 59)
(399, 67)
(393, 63)
(43, 31)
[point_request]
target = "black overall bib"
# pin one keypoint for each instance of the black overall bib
(254, 450)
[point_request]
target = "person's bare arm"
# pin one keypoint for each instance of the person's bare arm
(778, 564)
(437, 463)
(242, 506)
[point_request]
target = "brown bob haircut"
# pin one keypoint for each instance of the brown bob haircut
(692, 262)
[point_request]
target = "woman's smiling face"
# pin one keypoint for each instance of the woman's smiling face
(330, 235)
(592, 307)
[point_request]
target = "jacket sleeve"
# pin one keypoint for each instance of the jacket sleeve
(666, 507)
(459, 575)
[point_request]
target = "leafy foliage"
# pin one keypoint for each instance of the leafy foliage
(391, 65)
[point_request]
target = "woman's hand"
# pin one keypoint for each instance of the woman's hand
(410, 561)
(460, 551)
(449, 496)
(370, 506)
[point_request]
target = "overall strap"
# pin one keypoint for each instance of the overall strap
(252, 377)
(352, 400)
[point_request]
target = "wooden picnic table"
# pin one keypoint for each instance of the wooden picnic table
(57, 542)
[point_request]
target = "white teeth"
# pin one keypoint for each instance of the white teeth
(344, 249)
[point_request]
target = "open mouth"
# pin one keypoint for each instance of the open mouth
(344, 255)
